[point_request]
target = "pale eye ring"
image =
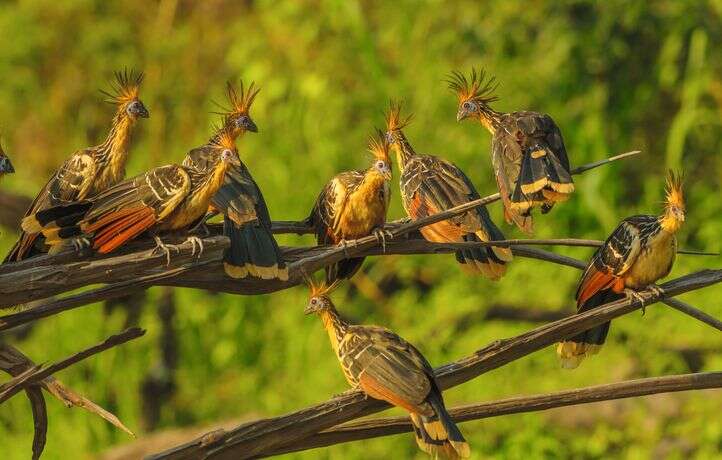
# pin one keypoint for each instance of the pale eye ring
(380, 164)
(314, 301)
(226, 154)
(467, 105)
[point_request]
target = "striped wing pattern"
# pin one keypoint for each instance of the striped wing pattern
(330, 205)
(384, 364)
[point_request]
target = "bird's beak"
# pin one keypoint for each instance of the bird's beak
(247, 124)
(5, 166)
(461, 114)
(309, 309)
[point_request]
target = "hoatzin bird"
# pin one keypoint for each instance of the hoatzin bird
(92, 170)
(640, 251)
(528, 155)
(5, 166)
(430, 185)
(246, 222)
(165, 199)
(352, 205)
(384, 366)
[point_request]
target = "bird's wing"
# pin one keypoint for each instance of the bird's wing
(71, 182)
(614, 257)
(540, 129)
(387, 366)
(129, 208)
(240, 198)
(331, 204)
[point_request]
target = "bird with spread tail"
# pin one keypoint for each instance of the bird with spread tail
(6, 167)
(246, 220)
(92, 170)
(430, 185)
(352, 205)
(169, 198)
(384, 366)
(640, 251)
(527, 150)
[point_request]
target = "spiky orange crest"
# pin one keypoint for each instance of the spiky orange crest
(394, 120)
(379, 147)
(125, 88)
(674, 192)
(319, 289)
(239, 98)
(478, 87)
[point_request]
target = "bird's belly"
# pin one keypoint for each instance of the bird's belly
(652, 264)
(361, 217)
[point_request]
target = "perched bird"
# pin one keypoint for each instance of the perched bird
(640, 251)
(430, 185)
(92, 170)
(387, 367)
(246, 220)
(5, 166)
(352, 205)
(528, 155)
(169, 198)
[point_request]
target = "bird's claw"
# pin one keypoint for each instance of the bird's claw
(80, 243)
(658, 291)
(344, 244)
(381, 236)
(160, 246)
(194, 240)
(634, 295)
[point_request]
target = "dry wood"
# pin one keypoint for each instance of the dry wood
(367, 429)
(266, 436)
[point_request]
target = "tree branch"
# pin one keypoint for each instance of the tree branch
(375, 428)
(266, 436)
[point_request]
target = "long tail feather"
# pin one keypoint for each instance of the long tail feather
(253, 252)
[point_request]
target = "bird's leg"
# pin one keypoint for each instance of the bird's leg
(381, 236)
(344, 244)
(80, 244)
(632, 295)
(160, 246)
(201, 228)
(656, 289)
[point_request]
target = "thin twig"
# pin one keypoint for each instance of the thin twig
(37, 374)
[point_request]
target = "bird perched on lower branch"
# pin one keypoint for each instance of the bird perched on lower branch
(640, 251)
(528, 154)
(246, 220)
(352, 205)
(169, 198)
(5, 166)
(430, 185)
(92, 170)
(384, 366)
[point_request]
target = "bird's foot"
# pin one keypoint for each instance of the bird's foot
(656, 289)
(202, 230)
(194, 240)
(345, 244)
(80, 244)
(165, 248)
(381, 236)
(634, 295)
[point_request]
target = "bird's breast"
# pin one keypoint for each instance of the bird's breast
(654, 261)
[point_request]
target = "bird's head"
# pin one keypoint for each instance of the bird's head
(674, 200)
(379, 148)
(125, 93)
(236, 114)
(475, 94)
(225, 150)
(5, 166)
(318, 299)
(395, 123)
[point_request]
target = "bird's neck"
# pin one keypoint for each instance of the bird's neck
(234, 134)
(669, 222)
(404, 151)
(335, 326)
(489, 121)
(115, 147)
(372, 180)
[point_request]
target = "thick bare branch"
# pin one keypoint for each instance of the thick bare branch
(367, 429)
(264, 437)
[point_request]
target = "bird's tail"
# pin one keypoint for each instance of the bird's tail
(438, 435)
(490, 261)
(343, 269)
(573, 351)
(253, 252)
(57, 224)
(543, 181)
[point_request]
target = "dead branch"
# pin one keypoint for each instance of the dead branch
(36, 374)
(267, 436)
(375, 428)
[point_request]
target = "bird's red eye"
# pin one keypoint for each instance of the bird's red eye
(468, 105)
(314, 301)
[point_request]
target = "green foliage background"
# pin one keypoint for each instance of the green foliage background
(616, 76)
